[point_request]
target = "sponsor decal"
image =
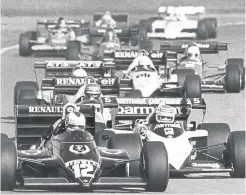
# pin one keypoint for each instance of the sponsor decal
(64, 64)
(79, 149)
(153, 101)
(135, 110)
(177, 125)
(134, 54)
(83, 168)
(45, 109)
(143, 110)
(200, 45)
(213, 165)
(70, 81)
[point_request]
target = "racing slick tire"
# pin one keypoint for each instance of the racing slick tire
(182, 73)
(236, 142)
(8, 165)
(192, 86)
(4, 137)
(207, 28)
(25, 93)
(218, 134)
(155, 166)
(25, 44)
(132, 144)
(73, 51)
(240, 63)
(233, 79)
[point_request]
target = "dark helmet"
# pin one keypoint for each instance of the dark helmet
(92, 91)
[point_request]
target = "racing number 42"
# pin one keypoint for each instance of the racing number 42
(83, 170)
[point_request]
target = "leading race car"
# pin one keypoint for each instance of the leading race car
(206, 148)
(50, 36)
(230, 76)
(73, 159)
(180, 23)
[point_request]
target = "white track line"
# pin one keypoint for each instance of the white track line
(5, 49)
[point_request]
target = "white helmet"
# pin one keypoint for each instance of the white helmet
(75, 121)
(165, 113)
(107, 16)
(79, 73)
(144, 63)
(193, 53)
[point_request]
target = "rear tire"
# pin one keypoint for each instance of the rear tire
(236, 143)
(233, 79)
(192, 86)
(8, 165)
(155, 166)
(73, 51)
(24, 43)
(207, 28)
(25, 93)
(132, 144)
(218, 133)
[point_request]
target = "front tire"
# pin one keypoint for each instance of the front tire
(233, 79)
(236, 143)
(8, 165)
(155, 166)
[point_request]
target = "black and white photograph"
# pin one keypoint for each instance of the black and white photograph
(122, 97)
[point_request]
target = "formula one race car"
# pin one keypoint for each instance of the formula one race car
(229, 78)
(206, 148)
(178, 23)
(126, 32)
(58, 81)
(73, 159)
(155, 82)
(49, 37)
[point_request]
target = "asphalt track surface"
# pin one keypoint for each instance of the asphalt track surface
(229, 108)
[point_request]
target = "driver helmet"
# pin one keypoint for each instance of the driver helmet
(107, 16)
(75, 121)
(79, 73)
(193, 53)
(92, 91)
(165, 114)
(61, 23)
(144, 64)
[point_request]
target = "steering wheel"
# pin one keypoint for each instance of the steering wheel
(59, 128)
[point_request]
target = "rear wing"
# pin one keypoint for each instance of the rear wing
(64, 68)
(140, 108)
(71, 85)
(208, 47)
(33, 121)
(123, 58)
(118, 17)
(187, 10)
(70, 23)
